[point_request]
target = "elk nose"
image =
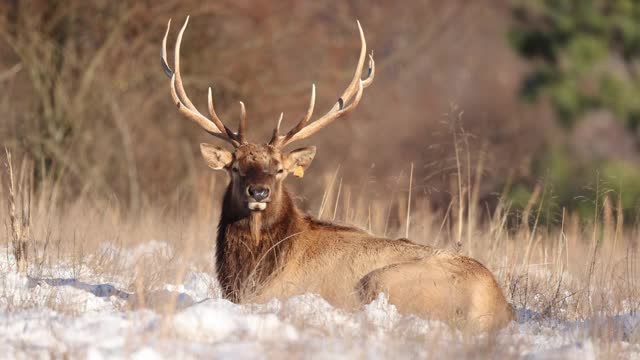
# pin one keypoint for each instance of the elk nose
(258, 193)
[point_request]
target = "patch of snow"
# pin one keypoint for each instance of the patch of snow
(217, 319)
(62, 316)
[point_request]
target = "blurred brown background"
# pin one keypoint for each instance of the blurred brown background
(82, 92)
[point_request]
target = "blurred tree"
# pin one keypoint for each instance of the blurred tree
(585, 54)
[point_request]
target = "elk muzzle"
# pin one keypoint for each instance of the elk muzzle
(258, 196)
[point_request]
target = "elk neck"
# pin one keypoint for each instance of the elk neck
(251, 246)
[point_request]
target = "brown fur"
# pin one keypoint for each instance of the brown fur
(280, 252)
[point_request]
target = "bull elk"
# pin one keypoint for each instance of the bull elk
(268, 248)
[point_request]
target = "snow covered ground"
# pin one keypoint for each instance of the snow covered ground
(91, 316)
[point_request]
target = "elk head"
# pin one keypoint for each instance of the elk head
(257, 170)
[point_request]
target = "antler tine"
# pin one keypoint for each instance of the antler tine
(356, 87)
(279, 122)
(327, 118)
(214, 127)
(305, 120)
(223, 128)
(351, 89)
(371, 73)
(176, 62)
(163, 53)
(198, 118)
(242, 128)
(275, 138)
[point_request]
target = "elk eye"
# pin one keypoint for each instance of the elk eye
(280, 171)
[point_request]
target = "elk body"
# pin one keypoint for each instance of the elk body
(267, 248)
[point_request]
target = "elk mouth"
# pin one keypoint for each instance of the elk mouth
(257, 205)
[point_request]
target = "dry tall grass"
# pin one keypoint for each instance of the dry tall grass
(579, 270)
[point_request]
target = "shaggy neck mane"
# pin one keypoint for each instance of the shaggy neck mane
(251, 246)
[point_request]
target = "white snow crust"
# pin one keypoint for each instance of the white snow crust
(59, 315)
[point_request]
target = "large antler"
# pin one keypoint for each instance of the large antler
(213, 126)
(304, 129)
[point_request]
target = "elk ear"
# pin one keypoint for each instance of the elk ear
(216, 157)
(299, 160)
